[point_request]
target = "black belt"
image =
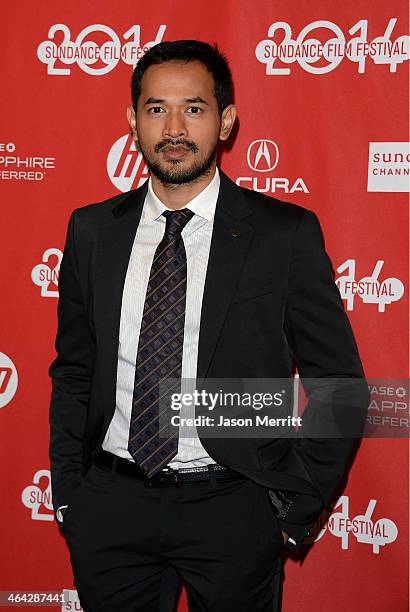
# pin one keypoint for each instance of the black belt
(167, 477)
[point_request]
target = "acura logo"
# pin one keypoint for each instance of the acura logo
(263, 155)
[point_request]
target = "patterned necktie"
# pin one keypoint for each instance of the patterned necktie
(152, 443)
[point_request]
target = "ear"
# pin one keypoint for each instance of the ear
(227, 120)
(132, 122)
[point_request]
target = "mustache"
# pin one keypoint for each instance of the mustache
(185, 143)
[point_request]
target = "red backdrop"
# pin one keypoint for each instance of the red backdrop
(321, 95)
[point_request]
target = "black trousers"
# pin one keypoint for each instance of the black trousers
(127, 541)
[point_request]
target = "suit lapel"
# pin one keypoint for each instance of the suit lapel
(231, 239)
(113, 252)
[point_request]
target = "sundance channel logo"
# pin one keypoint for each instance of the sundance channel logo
(389, 167)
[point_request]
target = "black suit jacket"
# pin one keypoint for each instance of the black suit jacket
(269, 300)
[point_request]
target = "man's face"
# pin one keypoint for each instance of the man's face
(177, 124)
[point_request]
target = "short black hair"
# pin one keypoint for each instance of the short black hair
(188, 51)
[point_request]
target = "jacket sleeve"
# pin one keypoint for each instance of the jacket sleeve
(71, 377)
(322, 342)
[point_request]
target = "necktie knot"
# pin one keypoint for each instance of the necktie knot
(177, 220)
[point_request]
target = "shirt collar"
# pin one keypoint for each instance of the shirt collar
(203, 204)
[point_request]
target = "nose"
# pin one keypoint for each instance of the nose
(175, 125)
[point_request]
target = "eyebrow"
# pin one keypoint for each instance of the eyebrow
(196, 100)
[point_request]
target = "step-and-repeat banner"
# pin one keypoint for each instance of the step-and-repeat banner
(321, 94)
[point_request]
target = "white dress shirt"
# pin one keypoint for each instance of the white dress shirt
(196, 235)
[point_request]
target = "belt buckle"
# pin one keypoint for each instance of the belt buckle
(165, 478)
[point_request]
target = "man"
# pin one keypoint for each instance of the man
(190, 277)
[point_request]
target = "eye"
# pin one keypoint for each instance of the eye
(195, 110)
(155, 110)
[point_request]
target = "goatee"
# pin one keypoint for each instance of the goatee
(179, 176)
